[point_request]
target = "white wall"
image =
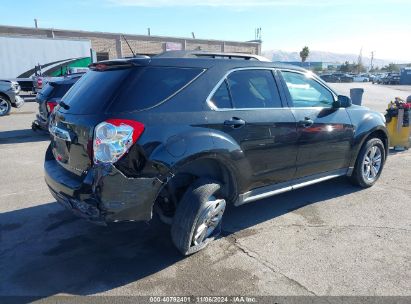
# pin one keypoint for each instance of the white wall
(20, 54)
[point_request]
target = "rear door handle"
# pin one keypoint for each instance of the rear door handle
(307, 122)
(234, 123)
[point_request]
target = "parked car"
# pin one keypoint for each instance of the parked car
(185, 137)
(49, 97)
(390, 78)
(361, 78)
(378, 78)
(385, 79)
(371, 77)
(394, 79)
(9, 96)
(344, 77)
(330, 78)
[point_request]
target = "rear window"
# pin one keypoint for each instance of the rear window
(55, 90)
(60, 90)
(93, 91)
(125, 90)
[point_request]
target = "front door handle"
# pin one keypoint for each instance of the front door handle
(234, 123)
(307, 122)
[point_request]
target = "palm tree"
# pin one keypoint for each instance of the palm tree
(304, 53)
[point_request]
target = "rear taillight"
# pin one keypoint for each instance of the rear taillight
(113, 138)
(51, 105)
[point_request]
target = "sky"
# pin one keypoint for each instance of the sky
(340, 26)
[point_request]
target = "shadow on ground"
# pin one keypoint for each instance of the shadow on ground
(22, 136)
(45, 250)
(395, 152)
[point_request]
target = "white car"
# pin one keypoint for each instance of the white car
(361, 78)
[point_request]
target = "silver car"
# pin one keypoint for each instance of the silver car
(9, 96)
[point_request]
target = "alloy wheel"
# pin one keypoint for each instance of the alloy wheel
(209, 220)
(4, 106)
(372, 163)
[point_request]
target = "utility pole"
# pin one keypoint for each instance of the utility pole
(372, 60)
(359, 63)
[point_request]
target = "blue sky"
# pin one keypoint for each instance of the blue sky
(342, 26)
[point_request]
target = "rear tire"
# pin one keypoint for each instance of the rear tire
(5, 106)
(369, 163)
(197, 220)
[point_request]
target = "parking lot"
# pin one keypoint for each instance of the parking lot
(375, 96)
(327, 239)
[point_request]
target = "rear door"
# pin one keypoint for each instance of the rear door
(247, 107)
(325, 132)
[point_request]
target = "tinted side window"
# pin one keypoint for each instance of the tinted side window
(253, 89)
(126, 90)
(147, 87)
(221, 98)
(306, 92)
(92, 92)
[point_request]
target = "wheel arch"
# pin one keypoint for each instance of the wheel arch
(5, 96)
(383, 135)
(213, 168)
(378, 132)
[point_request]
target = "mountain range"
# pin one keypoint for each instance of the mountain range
(279, 55)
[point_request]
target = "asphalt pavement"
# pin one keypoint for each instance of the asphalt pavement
(327, 239)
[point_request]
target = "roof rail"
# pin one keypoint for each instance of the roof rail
(214, 55)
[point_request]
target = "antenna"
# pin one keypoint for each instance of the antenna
(134, 55)
(257, 33)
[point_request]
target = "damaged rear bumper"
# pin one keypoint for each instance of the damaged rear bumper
(103, 194)
(40, 123)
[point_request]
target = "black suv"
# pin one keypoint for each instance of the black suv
(186, 136)
(50, 96)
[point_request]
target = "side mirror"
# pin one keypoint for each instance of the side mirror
(343, 102)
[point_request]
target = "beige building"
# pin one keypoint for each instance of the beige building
(113, 45)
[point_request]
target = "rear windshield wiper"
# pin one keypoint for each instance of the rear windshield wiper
(64, 105)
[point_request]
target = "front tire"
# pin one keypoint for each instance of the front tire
(5, 106)
(197, 220)
(369, 164)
